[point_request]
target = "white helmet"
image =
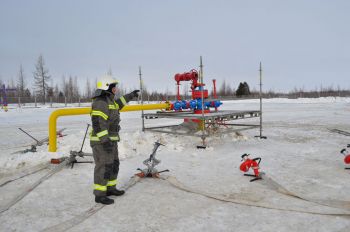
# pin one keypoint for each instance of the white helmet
(104, 82)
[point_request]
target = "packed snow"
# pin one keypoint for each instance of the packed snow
(300, 153)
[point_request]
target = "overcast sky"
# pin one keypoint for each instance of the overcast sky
(301, 43)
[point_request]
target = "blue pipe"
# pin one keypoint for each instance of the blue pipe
(196, 104)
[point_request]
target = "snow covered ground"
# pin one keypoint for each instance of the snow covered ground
(301, 154)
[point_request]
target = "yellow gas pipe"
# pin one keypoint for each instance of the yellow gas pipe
(79, 111)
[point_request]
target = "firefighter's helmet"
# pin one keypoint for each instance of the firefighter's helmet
(104, 82)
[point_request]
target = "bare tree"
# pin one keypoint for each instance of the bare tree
(229, 90)
(76, 92)
(20, 82)
(88, 91)
(222, 90)
(50, 92)
(109, 72)
(11, 84)
(56, 92)
(121, 90)
(41, 78)
(185, 91)
(144, 92)
(64, 86)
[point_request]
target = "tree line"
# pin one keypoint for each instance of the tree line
(43, 89)
(69, 91)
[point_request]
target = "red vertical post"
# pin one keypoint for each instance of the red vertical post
(214, 92)
(178, 92)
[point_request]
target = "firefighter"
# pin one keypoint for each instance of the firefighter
(104, 137)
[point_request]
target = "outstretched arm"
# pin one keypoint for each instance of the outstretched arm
(123, 100)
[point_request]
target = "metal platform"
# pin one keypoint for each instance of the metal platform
(212, 120)
(223, 114)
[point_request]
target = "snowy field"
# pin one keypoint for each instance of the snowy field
(301, 154)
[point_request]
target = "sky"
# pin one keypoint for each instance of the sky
(301, 44)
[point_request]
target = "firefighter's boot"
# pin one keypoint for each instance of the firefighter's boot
(104, 200)
(115, 192)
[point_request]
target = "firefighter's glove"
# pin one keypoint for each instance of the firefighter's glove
(108, 146)
(135, 93)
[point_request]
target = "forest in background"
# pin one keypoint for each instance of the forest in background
(42, 89)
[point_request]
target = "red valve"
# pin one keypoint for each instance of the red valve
(188, 76)
(347, 159)
(250, 163)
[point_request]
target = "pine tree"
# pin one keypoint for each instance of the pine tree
(41, 78)
(70, 89)
(243, 89)
(27, 93)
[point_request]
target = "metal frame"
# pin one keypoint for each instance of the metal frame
(216, 118)
(213, 118)
(232, 114)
